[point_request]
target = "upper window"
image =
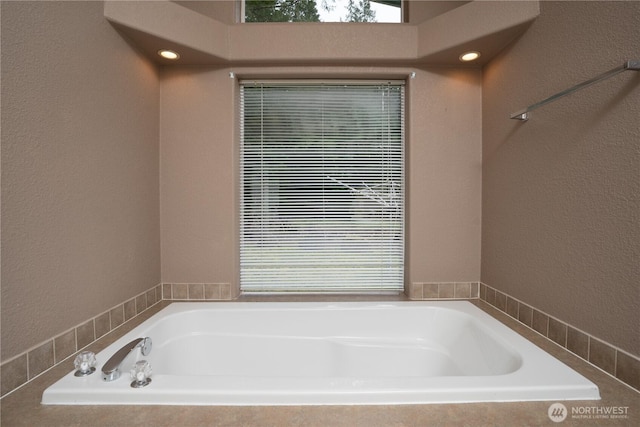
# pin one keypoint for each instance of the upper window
(322, 186)
(322, 11)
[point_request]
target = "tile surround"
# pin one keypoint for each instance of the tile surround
(40, 359)
(21, 369)
(443, 290)
(557, 332)
(600, 354)
(64, 345)
(14, 373)
(525, 315)
(540, 322)
(628, 370)
(197, 291)
(578, 343)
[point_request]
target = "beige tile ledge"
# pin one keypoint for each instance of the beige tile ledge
(429, 291)
(197, 291)
(23, 408)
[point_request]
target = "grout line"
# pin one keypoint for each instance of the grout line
(53, 341)
(28, 373)
(547, 329)
(75, 340)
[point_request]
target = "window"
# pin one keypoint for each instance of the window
(321, 10)
(322, 186)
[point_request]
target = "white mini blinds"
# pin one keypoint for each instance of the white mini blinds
(322, 186)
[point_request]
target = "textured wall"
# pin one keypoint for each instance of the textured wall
(199, 171)
(80, 208)
(561, 192)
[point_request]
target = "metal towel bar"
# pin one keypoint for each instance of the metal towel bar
(523, 115)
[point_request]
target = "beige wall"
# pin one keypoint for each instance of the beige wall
(199, 173)
(417, 11)
(80, 216)
(227, 12)
(82, 202)
(88, 128)
(561, 192)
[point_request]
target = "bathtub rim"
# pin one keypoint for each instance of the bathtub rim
(540, 393)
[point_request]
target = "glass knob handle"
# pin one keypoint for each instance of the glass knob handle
(85, 363)
(141, 374)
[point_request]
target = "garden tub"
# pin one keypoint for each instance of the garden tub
(303, 353)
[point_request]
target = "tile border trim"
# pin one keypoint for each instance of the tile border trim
(197, 292)
(608, 358)
(23, 368)
(429, 291)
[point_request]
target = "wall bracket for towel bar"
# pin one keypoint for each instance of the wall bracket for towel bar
(523, 115)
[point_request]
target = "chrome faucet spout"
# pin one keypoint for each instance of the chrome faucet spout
(111, 369)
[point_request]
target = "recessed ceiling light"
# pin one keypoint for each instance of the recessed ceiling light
(168, 54)
(469, 56)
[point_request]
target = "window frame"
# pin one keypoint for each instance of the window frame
(399, 284)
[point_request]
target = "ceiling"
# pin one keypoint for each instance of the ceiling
(454, 27)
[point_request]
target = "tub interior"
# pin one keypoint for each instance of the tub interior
(451, 344)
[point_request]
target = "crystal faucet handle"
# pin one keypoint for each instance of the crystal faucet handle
(140, 374)
(85, 363)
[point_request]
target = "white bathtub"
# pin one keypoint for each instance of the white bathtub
(254, 353)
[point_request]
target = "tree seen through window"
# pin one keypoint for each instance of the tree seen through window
(322, 10)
